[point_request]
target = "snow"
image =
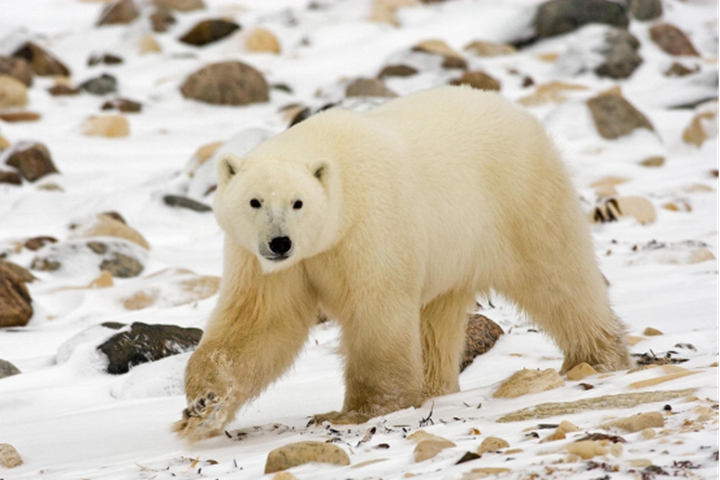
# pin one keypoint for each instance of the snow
(69, 420)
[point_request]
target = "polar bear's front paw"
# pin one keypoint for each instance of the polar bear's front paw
(340, 418)
(203, 418)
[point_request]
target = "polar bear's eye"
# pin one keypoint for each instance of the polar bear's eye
(255, 203)
(298, 204)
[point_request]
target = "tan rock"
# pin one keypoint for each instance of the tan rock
(13, 92)
(490, 49)
(180, 5)
(587, 449)
(704, 125)
(654, 161)
(119, 12)
(492, 444)
(555, 436)
(109, 126)
(553, 92)
(638, 422)
(702, 254)
(648, 433)
(639, 462)
(452, 59)
(202, 155)
(369, 462)
(580, 371)
(632, 340)
(652, 332)
(105, 280)
(284, 476)
(4, 143)
(148, 44)
(484, 472)
(658, 380)
(301, 453)
(385, 11)
(428, 449)
(170, 288)
(421, 435)
(526, 381)
(262, 40)
(567, 427)
(368, 87)
(9, 457)
(107, 226)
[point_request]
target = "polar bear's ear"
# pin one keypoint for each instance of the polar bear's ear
(320, 170)
(227, 166)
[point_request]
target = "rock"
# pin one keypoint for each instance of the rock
(15, 302)
(105, 280)
(526, 381)
(654, 161)
(385, 11)
(36, 243)
(209, 31)
(490, 49)
(101, 85)
(226, 83)
(4, 143)
(301, 453)
(122, 104)
(286, 476)
(560, 432)
(587, 449)
(11, 178)
(161, 20)
(171, 288)
(625, 400)
(18, 68)
(13, 92)
(118, 12)
(397, 71)
(492, 444)
(7, 369)
(15, 117)
(680, 70)
(484, 472)
(148, 44)
(420, 436)
(180, 5)
(700, 255)
(109, 126)
(562, 16)
(143, 343)
(672, 40)
(42, 62)
(580, 371)
(637, 423)
(673, 373)
(428, 449)
(122, 266)
(620, 55)
(703, 125)
(104, 59)
(21, 272)
(478, 80)
(107, 226)
(262, 40)
(9, 457)
(615, 117)
(61, 89)
(481, 334)
(550, 92)
(32, 160)
(368, 87)
(652, 332)
(185, 202)
(451, 58)
(644, 10)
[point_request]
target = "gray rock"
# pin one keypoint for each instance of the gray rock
(143, 343)
(615, 117)
(185, 202)
(226, 83)
(122, 266)
(368, 87)
(562, 16)
(646, 9)
(209, 31)
(101, 85)
(121, 258)
(7, 369)
(620, 52)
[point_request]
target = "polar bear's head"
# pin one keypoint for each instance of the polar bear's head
(275, 209)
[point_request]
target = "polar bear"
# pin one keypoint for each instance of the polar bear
(392, 221)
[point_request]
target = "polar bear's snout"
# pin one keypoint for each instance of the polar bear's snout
(281, 246)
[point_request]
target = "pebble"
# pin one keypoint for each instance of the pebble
(300, 453)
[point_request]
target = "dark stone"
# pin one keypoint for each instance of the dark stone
(45, 265)
(42, 62)
(97, 247)
(7, 369)
(185, 202)
(481, 334)
(12, 178)
(161, 20)
(283, 87)
(144, 343)
(468, 457)
(15, 117)
(119, 12)
(33, 162)
(122, 104)
(18, 68)
(120, 265)
(614, 116)
(672, 40)
(397, 71)
(21, 272)
(620, 52)
(36, 243)
(180, 5)
(226, 83)
(113, 325)
(15, 302)
(680, 70)
(477, 80)
(60, 89)
(209, 31)
(646, 9)
(368, 87)
(562, 16)
(101, 85)
(115, 216)
(303, 114)
(105, 59)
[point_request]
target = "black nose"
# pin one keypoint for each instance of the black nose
(280, 245)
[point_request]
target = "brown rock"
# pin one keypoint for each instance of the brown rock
(15, 302)
(32, 160)
(428, 449)
(654, 161)
(105, 59)
(9, 457)
(161, 20)
(301, 453)
(106, 226)
(180, 5)
(526, 381)
(262, 40)
(556, 17)
(481, 334)
(122, 104)
(490, 49)
(368, 87)
(637, 423)
(119, 12)
(492, 444)
(61, 89)
(13, 92)
(226, 83)
(451, 58)
(11, 178)
(209, 31)
(478, 80)
(21, 272)
(109, 126)
(672, 40)
(580, 371)
(615, 117)
(4, 144)
(42, 62)
(17, 117)
(397, 71)
(122, 266)
(679, 70)
(36, 243)
(18, 68)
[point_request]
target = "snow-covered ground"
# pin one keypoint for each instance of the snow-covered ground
(68, 419)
